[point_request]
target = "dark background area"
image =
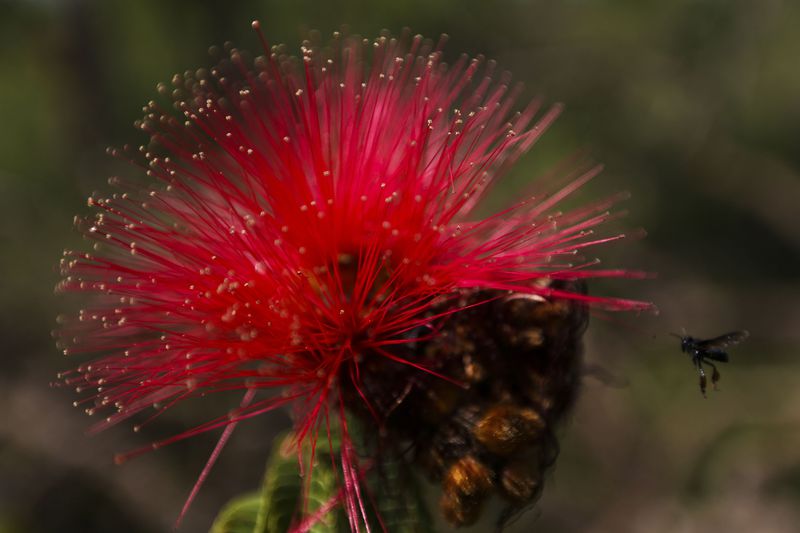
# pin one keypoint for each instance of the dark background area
(694, 107)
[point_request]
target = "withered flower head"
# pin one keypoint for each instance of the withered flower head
(308, 236)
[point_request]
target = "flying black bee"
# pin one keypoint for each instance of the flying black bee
(714, 349)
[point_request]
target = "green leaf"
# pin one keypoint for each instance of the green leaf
(276, 506)
(281, 490)
(279, 503)
(238, 516)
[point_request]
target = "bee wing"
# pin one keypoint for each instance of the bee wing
(722, 341)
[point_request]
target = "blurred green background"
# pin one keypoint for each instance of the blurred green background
(694, 106)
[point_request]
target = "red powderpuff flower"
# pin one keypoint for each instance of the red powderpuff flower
(308, 214)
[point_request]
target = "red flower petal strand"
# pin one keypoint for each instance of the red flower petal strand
(308, 213)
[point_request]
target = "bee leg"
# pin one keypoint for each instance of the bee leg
(714, 374)
(702, 373)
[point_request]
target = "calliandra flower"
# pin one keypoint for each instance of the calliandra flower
(309, 221)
